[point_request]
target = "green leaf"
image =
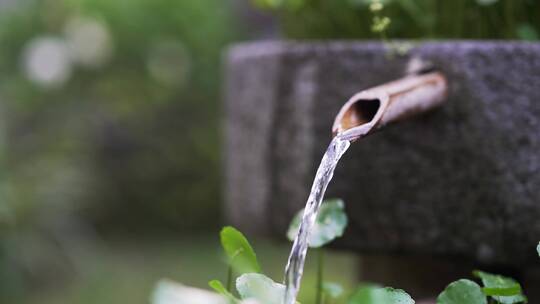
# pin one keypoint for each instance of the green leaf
(498, 291)
(462, 292)
(538, 249)
(329, 225)
(218, 286)
(169, 292)
(333, 290)
(241, 255)
(503, 289)
(508, 286)
(261, 288)
(376, 295)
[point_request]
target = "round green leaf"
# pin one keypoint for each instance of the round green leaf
(503, 289)
(375, 295)
(241, 255)
(520, 298)
(261, 288)
(329, 225)
(494, 281)
(462, 292)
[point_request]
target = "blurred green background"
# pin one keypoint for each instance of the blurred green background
(110, 131)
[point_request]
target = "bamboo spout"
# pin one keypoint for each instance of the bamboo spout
(373, 108)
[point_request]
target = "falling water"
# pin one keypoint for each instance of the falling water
(297, 257)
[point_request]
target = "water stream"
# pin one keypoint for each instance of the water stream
(297, 257)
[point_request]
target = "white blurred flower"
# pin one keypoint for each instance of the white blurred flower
(486, 2)
(89, 41)
(46, 61)
(169, 292)
(376, 6)
(369, 3)
(168, 62)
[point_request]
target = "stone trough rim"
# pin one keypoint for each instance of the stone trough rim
(263, 48)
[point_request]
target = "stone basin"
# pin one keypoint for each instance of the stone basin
(462, 181)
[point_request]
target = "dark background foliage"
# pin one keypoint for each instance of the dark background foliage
(410, 19)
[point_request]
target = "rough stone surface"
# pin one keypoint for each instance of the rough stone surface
(462, 181)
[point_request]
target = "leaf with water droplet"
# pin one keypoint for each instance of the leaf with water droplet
(261, 288)
(241, 255)
(503, 289)
(333, 290)
(329, 225)
(462, 292)
(377, 295)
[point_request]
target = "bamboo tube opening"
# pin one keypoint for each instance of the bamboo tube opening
(374, 108)
(361, 112)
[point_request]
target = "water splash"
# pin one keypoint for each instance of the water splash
(297, 257)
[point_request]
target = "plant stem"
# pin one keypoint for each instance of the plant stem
(320, 266)
(229, 278)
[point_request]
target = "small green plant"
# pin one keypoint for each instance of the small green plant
(496, 289)
(501, 289)
(253, 287)
(241, 256)
(463, 292)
